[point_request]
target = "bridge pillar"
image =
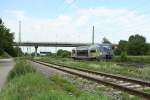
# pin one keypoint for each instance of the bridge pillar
(36, 47)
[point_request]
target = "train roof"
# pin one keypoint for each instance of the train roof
(86, 47)
(105, 44)
(91, 46)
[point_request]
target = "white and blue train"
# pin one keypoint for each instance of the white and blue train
(97, 51)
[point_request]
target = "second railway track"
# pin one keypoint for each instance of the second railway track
(132, 86)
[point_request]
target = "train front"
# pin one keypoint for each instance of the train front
(106, 50)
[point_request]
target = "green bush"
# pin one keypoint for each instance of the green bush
(123, 56)
(63, 53)
(20, 68)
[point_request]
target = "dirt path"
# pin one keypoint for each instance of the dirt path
(5, 66)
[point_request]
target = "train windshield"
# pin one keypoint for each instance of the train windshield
(105, 47)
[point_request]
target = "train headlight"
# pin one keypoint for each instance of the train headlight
(100, 53)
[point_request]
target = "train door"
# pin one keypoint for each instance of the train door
(73, 54)
(93, 53)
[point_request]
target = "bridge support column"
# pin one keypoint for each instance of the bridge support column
(36, 47)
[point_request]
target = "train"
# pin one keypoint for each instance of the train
(96, 51)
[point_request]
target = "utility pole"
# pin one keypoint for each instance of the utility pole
(19, 32)
(19, 41)
(93, 35)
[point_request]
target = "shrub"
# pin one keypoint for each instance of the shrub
(63, 53)
(20, 68)
(123, 56)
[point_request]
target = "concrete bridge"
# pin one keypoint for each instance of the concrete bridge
(49, 44)
(52, 44)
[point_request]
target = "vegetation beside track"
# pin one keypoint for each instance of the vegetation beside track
(3, 56)
(21, 68)
(24, 83)
(108, 67)
(133, 59)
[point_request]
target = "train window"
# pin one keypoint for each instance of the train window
(73, 51)
(82, 52)
(105, 47)
(93, 51)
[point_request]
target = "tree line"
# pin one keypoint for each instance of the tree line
(136, 45)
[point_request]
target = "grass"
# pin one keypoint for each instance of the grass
(21, 68)
(3, 57)
(147, 90)
(135, 59)
(65, 85)
(139, 73)
(26, 84)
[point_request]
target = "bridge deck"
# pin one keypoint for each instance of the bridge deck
(51, 44)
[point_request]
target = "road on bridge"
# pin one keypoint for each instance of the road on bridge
(5, 66)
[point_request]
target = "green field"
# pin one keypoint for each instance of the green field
(108, 67)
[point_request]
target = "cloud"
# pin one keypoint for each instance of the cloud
(19, 14)
(69, 1)
(115, 24)
(64, 18)
(118, 23)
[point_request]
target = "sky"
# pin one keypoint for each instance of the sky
(72, 20)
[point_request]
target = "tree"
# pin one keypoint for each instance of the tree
(63, 53)
(0, 21)
(122, 47)
(1, 51)
(137, 45)
(148, 44)
(105, 40)
(17, 52)
(6, 39)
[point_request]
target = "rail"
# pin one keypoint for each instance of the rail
(81, 72)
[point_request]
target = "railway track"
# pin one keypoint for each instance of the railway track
(132, 86)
